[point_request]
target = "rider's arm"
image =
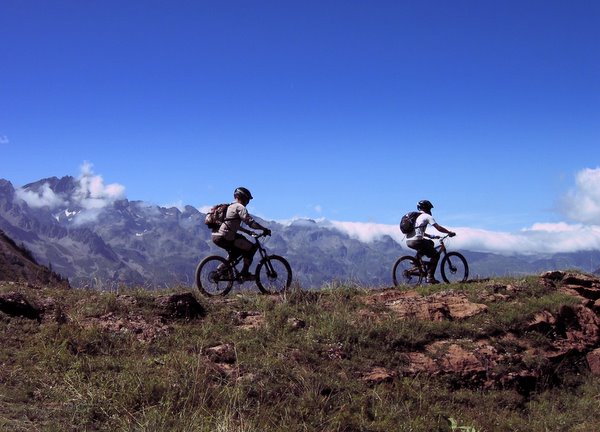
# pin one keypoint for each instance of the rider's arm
(253, 224)
(246, 231)
(443, 230)
(248, 220)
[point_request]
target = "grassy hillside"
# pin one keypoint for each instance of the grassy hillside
(339, 359)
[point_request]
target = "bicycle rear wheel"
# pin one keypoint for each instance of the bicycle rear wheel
(406, 271)
(214, 276)
(273, 275)
(454, 268)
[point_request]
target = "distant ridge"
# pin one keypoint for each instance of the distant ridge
(97, 238)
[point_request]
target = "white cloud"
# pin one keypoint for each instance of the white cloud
(179, 205)
(45, 197)
(582, 203)
(367, 232)
(89, 215)
(92, 193)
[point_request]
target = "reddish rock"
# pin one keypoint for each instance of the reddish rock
(222, 353)
(249, 320)
(462, 358)
(379, 375)
(593, 359)
(436, 307)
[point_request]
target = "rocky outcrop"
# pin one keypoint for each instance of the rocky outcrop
(572, 334)
(441, 306)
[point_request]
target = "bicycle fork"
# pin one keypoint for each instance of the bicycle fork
(271, 273)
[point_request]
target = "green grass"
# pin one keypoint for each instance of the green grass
(74, 375)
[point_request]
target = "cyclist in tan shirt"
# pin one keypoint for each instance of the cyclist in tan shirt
(228, 236)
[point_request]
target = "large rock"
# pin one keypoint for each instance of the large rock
(447, 305)
(16, 304)
(593, 359)
(180, 306)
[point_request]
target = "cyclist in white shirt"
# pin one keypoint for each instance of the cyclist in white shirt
(420, 241)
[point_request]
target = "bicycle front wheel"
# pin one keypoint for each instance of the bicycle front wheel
(406, 271)
(273, 275)
(214, 276)
(454, 268)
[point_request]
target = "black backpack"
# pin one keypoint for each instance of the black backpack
(216, 216)
(407, 223)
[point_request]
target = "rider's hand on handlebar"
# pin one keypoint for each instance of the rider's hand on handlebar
(451, 234)
(267, 232)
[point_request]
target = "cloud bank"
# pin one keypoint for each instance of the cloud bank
(581, 205)
(542, 238)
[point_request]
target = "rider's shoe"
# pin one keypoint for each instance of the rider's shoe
(222, 271)
(246, 276)
(432, 280)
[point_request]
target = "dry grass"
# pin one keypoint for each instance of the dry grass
(300, 369)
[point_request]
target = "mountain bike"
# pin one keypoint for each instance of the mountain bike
(215, 274)
(412, 270)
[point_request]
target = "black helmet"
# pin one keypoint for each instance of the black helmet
(424, 205)
(242, 191)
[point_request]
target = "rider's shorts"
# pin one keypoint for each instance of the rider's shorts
(423, 246)
(240, 244)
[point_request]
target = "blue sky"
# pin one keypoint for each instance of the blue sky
(349, 111)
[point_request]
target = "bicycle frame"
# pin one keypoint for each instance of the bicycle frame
(441, 248)
(261, 250)
(453, 266)
(216, 274)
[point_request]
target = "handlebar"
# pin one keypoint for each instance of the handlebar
(258, 235)
(441, 238)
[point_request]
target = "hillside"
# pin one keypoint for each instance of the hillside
(18, 265)
(496, 355)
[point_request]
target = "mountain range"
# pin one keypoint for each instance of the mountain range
(102, 241)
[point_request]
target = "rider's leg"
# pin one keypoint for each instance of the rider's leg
(232, 254)
(417, 245)
(421, 247)
(247, 249)
(429, 250)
